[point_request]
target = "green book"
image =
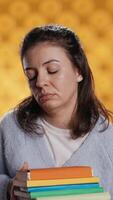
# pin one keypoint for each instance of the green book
(65, 192)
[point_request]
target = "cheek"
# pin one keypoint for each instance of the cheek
(60, 82)
(65, 86)
(69, 87)
(66, 80)
(32, 85)
(33, 89)
(61, 79)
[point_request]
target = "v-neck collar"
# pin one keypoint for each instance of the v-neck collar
(50, 161)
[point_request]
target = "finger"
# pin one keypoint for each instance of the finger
(12, 197)
(25, 166)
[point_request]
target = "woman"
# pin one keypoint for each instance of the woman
(62, 123)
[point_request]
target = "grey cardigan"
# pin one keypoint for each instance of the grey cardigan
(17, 147)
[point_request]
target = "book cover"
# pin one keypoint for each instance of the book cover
(65, 192)
(35, 183)
(93, 196)
(58, 193)
(55, 173)
(54, 193)
(61, 187)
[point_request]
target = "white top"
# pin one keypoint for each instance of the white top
(60, 142)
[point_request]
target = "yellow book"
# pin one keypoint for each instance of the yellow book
(33, 183)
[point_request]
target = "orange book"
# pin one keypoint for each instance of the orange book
(55, 173)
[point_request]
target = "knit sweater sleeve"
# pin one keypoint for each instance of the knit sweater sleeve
(107, 143)
(4, 178)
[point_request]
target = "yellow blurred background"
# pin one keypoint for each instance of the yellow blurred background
(92, 20)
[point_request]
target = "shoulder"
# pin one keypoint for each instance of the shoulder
(9, 126)
(103, 139)
(103, 131)
(102, 135)
(8, 119)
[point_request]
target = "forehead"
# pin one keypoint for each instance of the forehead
(45, 47)
(45, 51)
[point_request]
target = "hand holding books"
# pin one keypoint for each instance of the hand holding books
(63, 183)
(11, 185)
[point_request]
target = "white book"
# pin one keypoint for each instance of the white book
(96, 196)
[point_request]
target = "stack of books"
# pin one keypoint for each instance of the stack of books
(61, 183)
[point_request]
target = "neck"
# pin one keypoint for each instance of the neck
(61, 119)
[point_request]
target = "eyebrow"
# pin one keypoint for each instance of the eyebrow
(49, 61)
(52, 60)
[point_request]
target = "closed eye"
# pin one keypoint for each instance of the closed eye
(31, 74)
(32, 79)
(52, 72)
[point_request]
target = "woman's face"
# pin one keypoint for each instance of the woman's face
(52, 78)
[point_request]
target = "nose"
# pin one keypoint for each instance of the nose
(41, 81)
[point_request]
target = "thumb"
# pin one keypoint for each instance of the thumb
(25, 166)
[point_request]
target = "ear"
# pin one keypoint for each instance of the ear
(79, 77)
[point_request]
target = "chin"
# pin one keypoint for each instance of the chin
(49, 107)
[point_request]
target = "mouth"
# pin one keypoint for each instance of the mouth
(45, 98)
